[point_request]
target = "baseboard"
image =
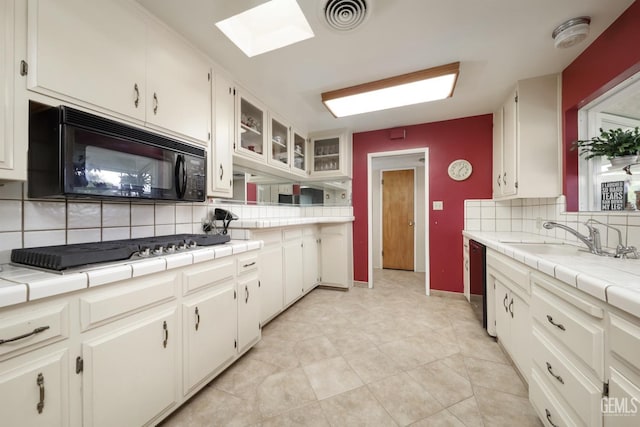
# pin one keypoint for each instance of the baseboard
(447, 294)
(358, 284)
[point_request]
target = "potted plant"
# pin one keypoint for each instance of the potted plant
(619, 146)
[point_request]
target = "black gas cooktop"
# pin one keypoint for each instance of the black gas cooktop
(68, 256)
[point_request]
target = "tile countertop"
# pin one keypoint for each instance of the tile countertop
(285, 222)
(19, 284)
(613, 280)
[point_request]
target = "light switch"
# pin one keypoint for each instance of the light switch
(438, 205)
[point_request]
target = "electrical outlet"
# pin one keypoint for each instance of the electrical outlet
(539, 223)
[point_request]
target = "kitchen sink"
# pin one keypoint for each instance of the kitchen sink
(551, 249)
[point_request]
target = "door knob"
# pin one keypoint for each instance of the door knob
(411, 223)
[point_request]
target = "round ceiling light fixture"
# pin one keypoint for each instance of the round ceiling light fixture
(571, 32)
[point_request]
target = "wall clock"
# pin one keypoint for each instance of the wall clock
(460, 169)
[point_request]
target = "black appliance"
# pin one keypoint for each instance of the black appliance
(76, 154)
(478, 280)
(68, 256)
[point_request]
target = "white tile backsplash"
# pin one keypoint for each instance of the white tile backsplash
(116, 214)
(83, 215)
(9, 241)
(11, 191)
(86, 235)
(184, 214)
(165, 214)
(44, 215)
(142, 231)
(116, 233)
(11, 214)
(142, 215)
(44, 238)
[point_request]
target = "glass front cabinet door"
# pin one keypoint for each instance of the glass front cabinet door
(252, 127)
(298, 159)
(329, 151)
(279, 151)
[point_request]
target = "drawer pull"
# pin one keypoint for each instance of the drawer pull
(197, 318)
(40, 383)
(557, 325)
(549, 418)
(166, 334)
(27, 335)
(249, 265)
(558, 377)
(246, 294)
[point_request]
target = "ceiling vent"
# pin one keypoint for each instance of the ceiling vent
(346, 15)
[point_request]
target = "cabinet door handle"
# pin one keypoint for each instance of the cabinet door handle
(557, 325)
(511, 307)
(558, 377)
(221, 171)
(137, 92)
(155, 103)
(197, 318)
(249, 265)
(504, 303)
(27, 335)
(40, 383)
(166, 334)
(246, 294)
(549, 418)
(499, 184)
(466, 264)
(504, 178)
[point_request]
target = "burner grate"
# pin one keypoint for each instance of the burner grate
(67, 256)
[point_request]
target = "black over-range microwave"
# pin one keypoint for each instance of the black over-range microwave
(76, 154)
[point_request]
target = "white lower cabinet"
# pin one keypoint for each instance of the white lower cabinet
(336, 255)
(129, 374)
(293, 272)
(248, 312)
(510, 282)
(310, 273)
(271, 279)
(209, 333)
(34, 390)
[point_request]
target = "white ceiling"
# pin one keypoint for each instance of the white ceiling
(497, 42)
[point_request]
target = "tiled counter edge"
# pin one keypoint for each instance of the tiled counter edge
(20, 284)
(614, 281)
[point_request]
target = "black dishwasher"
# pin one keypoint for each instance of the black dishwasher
(478, 280)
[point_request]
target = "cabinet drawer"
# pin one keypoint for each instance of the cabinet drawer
(291, 234)
(550, 407)
(27, 328)
(125, 299)
(622, 408)
(624, 340)
(247, 263)
(213, 272)
(516, 272)
(577, 331)
(583, 396)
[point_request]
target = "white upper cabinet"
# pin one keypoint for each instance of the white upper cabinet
(252, 127)
(279, 143)
(220, 158)
(93, 52)
(298, 153)
(527, 141)
(330, 154)
(112, 56)
(178, 85)
(12, 159)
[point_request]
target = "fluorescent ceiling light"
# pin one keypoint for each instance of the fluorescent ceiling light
(269, 26)
(408, 89)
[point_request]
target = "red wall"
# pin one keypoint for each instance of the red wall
(470, 138)
(610, 59)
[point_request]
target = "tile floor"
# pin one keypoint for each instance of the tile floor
(368, 357)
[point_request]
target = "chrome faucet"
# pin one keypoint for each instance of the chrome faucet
(622, 251)
(592, 241)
